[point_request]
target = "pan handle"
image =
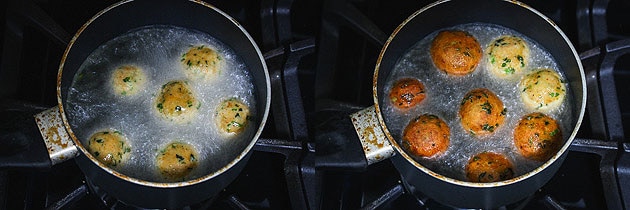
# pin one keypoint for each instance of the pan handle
(376, 147)
(22, 145)
(58, 143)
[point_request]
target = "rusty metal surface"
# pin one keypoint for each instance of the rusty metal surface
(60, 146)
(376, 147)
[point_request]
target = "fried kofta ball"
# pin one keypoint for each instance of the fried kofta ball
(426, 136)
(109, 147)
(542, 90)
(176, 161)
(176, 102)
(489, 167)
(201, 62)
(127, 80)
(455, 52)
(537, 136)
(231, 116)
(406, 93)
(481, 112)
(508, 56)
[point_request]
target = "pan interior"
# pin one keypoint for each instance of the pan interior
(445, 92)
(92, 106)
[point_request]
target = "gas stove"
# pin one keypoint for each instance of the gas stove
(321, 56)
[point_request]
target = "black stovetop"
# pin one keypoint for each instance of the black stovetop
(333, 45)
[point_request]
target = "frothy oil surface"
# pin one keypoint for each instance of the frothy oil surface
(92, 105)
(444, 94)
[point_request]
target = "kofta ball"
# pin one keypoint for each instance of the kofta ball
(489, 167)
(406, 93)
(426, 136)
(481, 112)
(508, 56)
(127, 80)
(455, 52)
(542, 90)
(176, 161)
(109, 147)
(201, 62)
(176, 102)
(538, 136)
(231, 116)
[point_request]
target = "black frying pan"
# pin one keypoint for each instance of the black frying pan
(511, 14)
(196, 15)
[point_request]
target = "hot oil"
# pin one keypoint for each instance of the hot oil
(157, 50)
(444, 94)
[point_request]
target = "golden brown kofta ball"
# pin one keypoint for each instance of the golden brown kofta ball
(542, 90)
(406, 93)
(176, 161)
(481, 112)
(110, 147)
(489, 167)
(537, 136)
(507, 56)
(455, 52)
(426, 136)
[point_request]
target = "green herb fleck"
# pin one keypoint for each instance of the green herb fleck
(487, 107)
(126, 79)
(486, 127)
(180, 158)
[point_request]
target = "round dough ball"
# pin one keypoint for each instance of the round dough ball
(481, 112)
(489, 167)
(128, 80)
(109, 147)
(508, 56)
(231, 116)
(537, 136)
(426, 136)
(201, 62)
(406, 93)
(176, 102)
(455, 52)
(176, 161)
(542, 90)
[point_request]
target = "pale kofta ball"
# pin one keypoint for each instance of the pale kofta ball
(508, 57)
(176, 102)
(202, 62)
(177, 160)
(542, 90)
(109, 147)
(231, 116)
(128, 80)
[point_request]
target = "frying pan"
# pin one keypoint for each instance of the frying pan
(122, 18)
(446, 14)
